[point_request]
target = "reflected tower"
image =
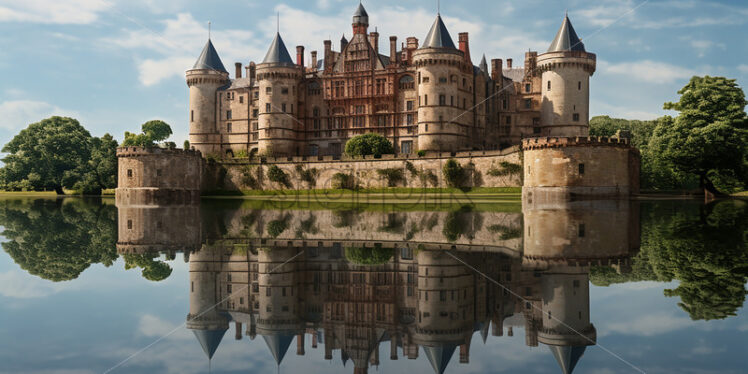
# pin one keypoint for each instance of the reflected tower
(205, 319)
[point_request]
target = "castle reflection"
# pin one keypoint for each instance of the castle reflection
(358, 284)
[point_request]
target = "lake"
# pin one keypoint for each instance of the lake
(237, 286)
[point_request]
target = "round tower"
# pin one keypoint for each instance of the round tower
(204, 80)
(444, 78)
(278, 79)
(205, 320)
(565, 94)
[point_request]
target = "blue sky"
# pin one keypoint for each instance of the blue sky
(115, 64)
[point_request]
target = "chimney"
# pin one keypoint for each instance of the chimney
(412, 42)
(238, 325)
(464, 354)
(300, 343)
(465, 45)
(497, 326)
(328, 53)
(393, 49)
(530, 61)
(314, 60)
(509, 63)
(252, 70)
(497, 69)
(393, 346)
(314, 341)
(238, 66)
(300, 55)
(510, 331)
(374, 40)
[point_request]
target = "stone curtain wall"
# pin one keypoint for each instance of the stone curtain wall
(482, 169)
(158, 176)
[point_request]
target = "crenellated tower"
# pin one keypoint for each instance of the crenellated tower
(204, 79)
(279, 79)
(444, 82)
(565, 93)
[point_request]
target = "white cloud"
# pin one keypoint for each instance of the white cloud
(52, 12)
(640, 14)
(647, 325)
(743, 68)
(702, 46)
(19, 285)
(154, 327)
(17, 114)
(648, 71)
(151, 71)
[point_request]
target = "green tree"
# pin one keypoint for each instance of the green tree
(153, 132)
(368, 144)
(153, 270)
(454, 173)
(375, 255)
(49, 154)
(58, 239)
(707, 139)
(100, 172)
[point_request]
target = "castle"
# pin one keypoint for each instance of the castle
(427, 96)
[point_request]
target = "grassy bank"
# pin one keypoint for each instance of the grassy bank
(392, 191)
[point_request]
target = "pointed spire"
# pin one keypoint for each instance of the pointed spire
(484, 68)
(278, 53)
(209, 59)
(360, 16)
(439, 356)
(438, 36)
(278, 345)
(567, 357)
(566, 38)
(209, 340)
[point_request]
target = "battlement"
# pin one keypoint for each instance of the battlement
(579, 141)
(145, 151)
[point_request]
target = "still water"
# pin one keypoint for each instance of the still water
(234, 287)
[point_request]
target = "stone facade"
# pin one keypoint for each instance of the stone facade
(583, 166)
(421, 97)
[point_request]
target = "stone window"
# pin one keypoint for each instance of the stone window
(268, 90)
(426, 100)
(504, 104)
(581, 169)
(581, 230)
(575, 117)
(452, 100)
(158, 172)
(409, 105)
(284, 90)
(442, 79)
(427, 127)
(579, 85)
(254, 113)
(267, 108)
(409, 119)
(257, 95)
(508, 120)
(464, 82)
(406, 82)
(442, 100)
(528, 103)
(549, 85)
(129, 173)
(406, 147)
(453, 78)
(576, 283)
(129, 224)
(425, 79)
(228, 127)
(241, 99)
(192, 116)
(228, 114)
(527, 87)
(283, 107)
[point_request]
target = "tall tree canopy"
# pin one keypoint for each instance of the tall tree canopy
(153, 132)
(707, 139)
(58, 239)
(58, 153)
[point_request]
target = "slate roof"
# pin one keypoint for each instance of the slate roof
(567, 357)
(209, 59)
(566, 39)
(277, 53)
(439, 356)
(515, 74)
(483, 64)
(278, 345)
(209, 340)
(438, 36)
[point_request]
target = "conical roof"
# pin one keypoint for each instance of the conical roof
(483, 64)
(566, 39)
(209, 59)
(567, 357)
(278, 345)
(439, 356)
(438, 36)
(360, 15)
(277, 53)
(209, 340)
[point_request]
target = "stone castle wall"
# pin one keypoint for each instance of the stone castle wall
(482, 169)
(589, 166)
(158, 176)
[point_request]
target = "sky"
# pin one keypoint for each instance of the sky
(114, 64)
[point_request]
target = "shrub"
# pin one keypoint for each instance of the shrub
(411, 168)
(309, 176)
(276, 227)
(507, 232)
(241, 154)
(186, 144)
(249, 177)
(421, 153)
(507, 168)
(428, 176)
(277, 175)
(369, 256)
(368, 144)
(393, 176)
(343, 181)
(454, 174)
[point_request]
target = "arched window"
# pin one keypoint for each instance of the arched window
(407, 82)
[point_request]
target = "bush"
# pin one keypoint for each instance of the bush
(249, 177)
(368, 144)
(369, 256)
(454, 174)
(428, 176)
(411, 168)
(276, 227)
(506, 232)
(186, 144)
(393, 176)
(507, 168)
(421, 153)
(277, 175)
(343, 181)
(241, 154)
(309, 176)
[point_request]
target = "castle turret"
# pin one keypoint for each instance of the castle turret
(206, 322)
(565, 96)
(278, 78)
(360, 20)
(204, 80)
(444, 90)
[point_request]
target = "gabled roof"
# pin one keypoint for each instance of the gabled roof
(209, 59)
(278, 345)
(438, 36)
(566, 39)
(277, 53)
(209, 340)
(567, 357)
(439, 356)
